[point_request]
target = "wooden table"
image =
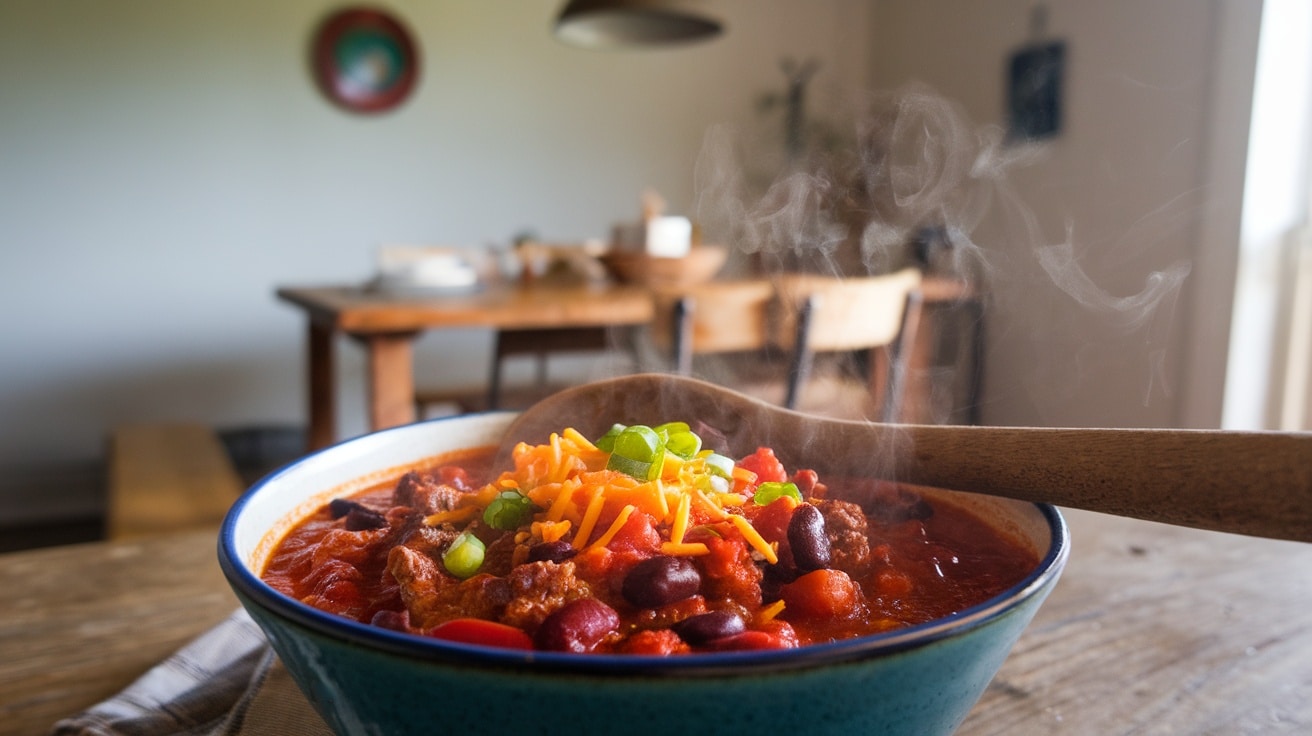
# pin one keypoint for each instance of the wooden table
(1152, 629)
(387, 325)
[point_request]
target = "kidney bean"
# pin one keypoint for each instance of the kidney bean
(659, 580)
(707, 627)
(578, 626)
(807, 539)
(358, 516)
(394, 620)
(557, 551)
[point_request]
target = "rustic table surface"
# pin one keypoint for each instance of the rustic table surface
(1152, 630)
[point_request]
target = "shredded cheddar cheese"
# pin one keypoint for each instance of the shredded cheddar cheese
(769, 612)
(615, 527)
(571, 489)
(754, 538)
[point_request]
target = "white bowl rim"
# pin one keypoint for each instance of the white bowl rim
(252, 590)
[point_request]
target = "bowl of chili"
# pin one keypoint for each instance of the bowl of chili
(644, 581)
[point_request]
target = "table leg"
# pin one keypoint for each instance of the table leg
(322, 387)
(391, 380)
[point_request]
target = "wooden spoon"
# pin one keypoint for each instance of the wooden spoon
(1255, 483)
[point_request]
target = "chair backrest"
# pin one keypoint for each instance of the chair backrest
(713, 317)
(824, 314)
(846, 313)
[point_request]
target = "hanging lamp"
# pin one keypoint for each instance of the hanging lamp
(620, 24)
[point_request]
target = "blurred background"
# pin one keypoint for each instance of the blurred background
(165, 166)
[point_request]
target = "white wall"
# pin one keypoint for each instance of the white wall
(164, 166)
(1142, 186)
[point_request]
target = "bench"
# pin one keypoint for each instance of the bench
(167, 477)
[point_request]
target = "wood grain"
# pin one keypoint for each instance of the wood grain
(79, 623)
(1155, 629)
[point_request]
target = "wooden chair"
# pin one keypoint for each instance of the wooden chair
(875, 316)
(539, 345)
(714, 317)
(722, 331)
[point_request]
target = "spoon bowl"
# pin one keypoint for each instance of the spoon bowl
(1254, 483)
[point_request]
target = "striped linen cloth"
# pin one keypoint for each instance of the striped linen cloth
(226, 682)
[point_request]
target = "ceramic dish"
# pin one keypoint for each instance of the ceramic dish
(920, 680)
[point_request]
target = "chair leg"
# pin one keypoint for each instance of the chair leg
(682, 342)
(494, 378)
(800, 368)
(898, 359)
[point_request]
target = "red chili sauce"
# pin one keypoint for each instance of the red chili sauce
(842, 569)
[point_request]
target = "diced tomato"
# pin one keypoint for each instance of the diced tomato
(478, 631)
(656, 643)
(766, 466)
(772, 519)
(893, 583)
(808, 483)
(820, 594)
(637, 535)
(454, 476)
(749, 641)
(729, 571)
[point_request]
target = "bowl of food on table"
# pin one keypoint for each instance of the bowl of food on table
(631, 577)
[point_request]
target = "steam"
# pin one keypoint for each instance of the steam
(1133, 311)
(906, 178)
(852, 199)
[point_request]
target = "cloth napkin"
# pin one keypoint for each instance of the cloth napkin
(226, 682)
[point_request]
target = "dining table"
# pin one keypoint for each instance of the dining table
(386, 324)
(1152, 629)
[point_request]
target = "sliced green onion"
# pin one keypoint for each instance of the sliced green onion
(718, 464)
(607, 441)
(639, 442)
(772, 491)
(684, 444)
(464, 556)
(635, 468)
(509, 510)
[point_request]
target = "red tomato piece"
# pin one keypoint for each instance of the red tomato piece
(479, 631)
(766, 466)
(656, 643)
(749, 641)
(820, 594)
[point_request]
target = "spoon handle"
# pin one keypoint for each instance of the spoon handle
(1256, 483)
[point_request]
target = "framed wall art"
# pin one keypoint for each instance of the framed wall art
(364, 60)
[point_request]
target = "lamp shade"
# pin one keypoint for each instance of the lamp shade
(617, 24)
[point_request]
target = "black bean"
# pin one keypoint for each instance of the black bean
(807, 538)
(707, 627)
(557, 551)
(358, 516)
(659, 580)
(361, 518)
(339, 507)
(577, 626)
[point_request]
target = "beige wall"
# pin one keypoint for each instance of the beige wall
(1143, 184)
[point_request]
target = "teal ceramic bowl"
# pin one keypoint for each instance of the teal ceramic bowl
(919, 681)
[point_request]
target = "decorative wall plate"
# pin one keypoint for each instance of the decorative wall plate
(364, 60)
